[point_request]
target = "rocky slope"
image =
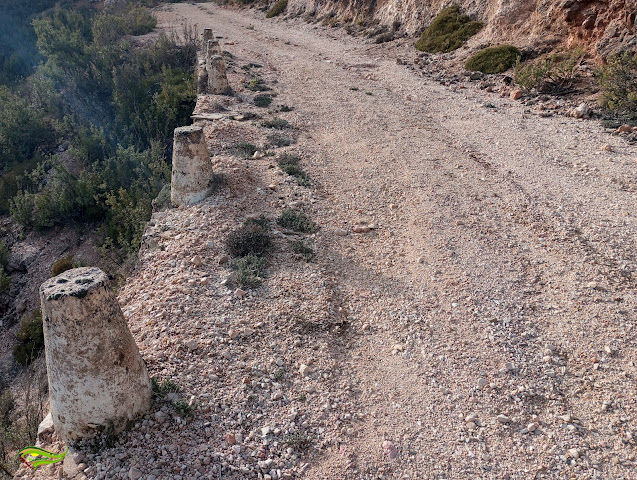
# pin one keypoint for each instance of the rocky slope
(601, 26)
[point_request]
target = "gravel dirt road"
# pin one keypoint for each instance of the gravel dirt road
(471, 310)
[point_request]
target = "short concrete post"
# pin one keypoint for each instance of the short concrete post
(207, 35)
(217, 78)
(192, 168)
(97, 378)
(202, 79)
(212, 48)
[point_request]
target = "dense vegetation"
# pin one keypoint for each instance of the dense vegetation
(493, 59)
(448, 31)
(618, 81)
(86, 134)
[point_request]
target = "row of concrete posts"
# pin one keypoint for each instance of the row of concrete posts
(98, 381)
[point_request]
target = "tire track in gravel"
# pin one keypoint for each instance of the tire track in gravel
(492, 276)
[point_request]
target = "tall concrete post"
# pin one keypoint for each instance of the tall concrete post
(212, 48)
(97, 378)
(217, 78)
(192, 168)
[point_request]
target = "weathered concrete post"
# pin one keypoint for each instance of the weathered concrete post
(207, 35)
(202, 78)
(212, 48)
(217, 78)
(192, 168)
(97, 378)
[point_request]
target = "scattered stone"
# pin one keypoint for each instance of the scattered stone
(230, 438)
(192, 345)
(516, 94)
(482, 383)
(341, 232)
(390, 449)
(239, 293)
(472, 417)
(607, 148)
(134, 473)
(197, 260)
(532, 427)
(258, 154)
(503, 418)
(361, 228)
(223, 259)
(624, 129)
(573, 453)
(305, 370)
(582, 111)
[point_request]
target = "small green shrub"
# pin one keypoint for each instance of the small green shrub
(290, 165)
(249, 270)
(262, 101)
(277, 9)
(257, 85)
(183, 408)
(30, 338)
(297, 220)
(249, 239)
(277, 124)
(285, 108)
(303, 250)
(551, 73)
(448, 31)
(4, 255)
(279, 140)
(163, 387)
(62, 265)
(244, 149)
(5, 281)
(493, 59)
(298, 440)
(618, 81)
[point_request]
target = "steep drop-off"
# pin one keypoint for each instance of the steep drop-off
(601, 26)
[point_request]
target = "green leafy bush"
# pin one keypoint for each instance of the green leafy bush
(493, 59)
(618, 81)
(303, 250)
(30, 338)
(279, 140)
(297, 220)
(448, 31)
(277, 9)
(277, 124)
(551, 73)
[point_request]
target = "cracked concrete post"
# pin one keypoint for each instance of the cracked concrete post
(217, 78)
(97, 377)
(192, 168)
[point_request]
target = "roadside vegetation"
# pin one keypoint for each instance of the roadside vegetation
(85, 136)
(493, 59)
(448, 31)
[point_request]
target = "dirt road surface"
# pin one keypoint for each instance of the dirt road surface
(470, 313)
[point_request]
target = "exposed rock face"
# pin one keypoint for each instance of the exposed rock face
(192, 168)
(96, 374)
(598, 25)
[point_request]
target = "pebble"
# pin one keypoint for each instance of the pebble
(482, 383)
(472, 417)
(516, 94)
(361, 228)
(223, 259)
(197, 260)
(134, 473)
(607, 148)
(503, 418)
(390, 449)
(305, 370)
(192, 345)
(239, 293)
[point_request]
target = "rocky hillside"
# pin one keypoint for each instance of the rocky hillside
(602, 26)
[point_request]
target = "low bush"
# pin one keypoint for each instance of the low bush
(618, 82)
(493, 59)
(277, 9)
(297, 220)
(257, 85)
(251, 238)
(30, 339)
(303, 250)
(448, 31)
(551, 73)
(277, 124)
(244, 149)
(262, 101)
(290, 164)
(61, 265)
(279, 140)
(249, 270)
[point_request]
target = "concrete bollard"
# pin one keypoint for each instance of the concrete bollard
(98, 381)
(212, 48)
(202, 79)
(217, 78)
(192, 168)
(207, 35)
